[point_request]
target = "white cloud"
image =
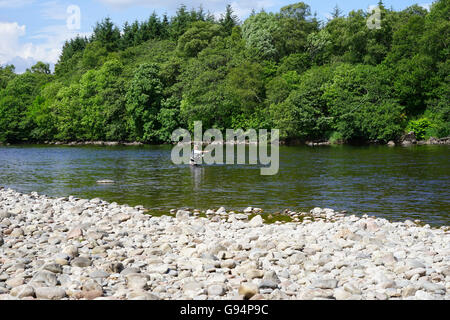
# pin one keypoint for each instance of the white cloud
(426, 6)
(46, 46)
(22, 48)
(9, 40)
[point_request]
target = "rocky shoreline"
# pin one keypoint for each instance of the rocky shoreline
(69, 248)
(406, 140)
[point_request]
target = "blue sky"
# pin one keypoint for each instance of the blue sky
(32, 30)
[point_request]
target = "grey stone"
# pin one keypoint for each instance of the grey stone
(268, 284)
(130, 270)
(15, 282)
(216, 290)
(50, 293)
(137, 281)
(100, 274)
(81, 262)
(325, 283)
(23, 291)
(53, 267)
(256, 221)
(46, 277)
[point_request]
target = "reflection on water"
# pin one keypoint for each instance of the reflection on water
(396, 183)
(197, 173)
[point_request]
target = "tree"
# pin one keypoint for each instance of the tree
(71, 52)
(228, 20)
(41, 114)
(197, 38)
(258, 32)
(94, 55)
(6, 75)
(336, 13)
(179, 23)
(362, 104)
(245, 87)
(107, 34)
(68, 114)
(41, 67)
(144, 98)
(295, 25)
(15, 100)
(319, 46)
(304, 114)
(285, 69)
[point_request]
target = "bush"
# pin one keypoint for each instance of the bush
(420, 127)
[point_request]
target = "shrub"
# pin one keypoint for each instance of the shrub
(420, 127)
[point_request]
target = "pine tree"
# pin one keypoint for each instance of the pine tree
(228, 20)
(336, 13)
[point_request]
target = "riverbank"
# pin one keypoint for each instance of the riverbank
(71, 248)
(407, 140)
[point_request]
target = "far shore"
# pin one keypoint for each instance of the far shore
(402, 142)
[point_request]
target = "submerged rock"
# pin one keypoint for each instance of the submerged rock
(106, 181)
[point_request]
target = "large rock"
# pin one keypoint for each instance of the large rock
(91, 290)
(75, 233)
(221, 211)
(46, 277)
(23, 291)
(268, 284)
(50, 293)
(15, 282)
(256, 221)
(53, 267)
(248, 290)
(408, 139)
(182, 215)
(71, 251)
(137, 281)
(325, 283)
(17, 232)
(216, 290)
(81, 262)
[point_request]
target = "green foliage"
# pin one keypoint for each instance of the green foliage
(229, 20)
(299, 62)
(6, 75)
(420, 127)
(259, 32)
(15, 99)
(304, 113)
(337, 80)
(106, 33)
(144, 98)
(295, 26)
(197, 38)
(362, 105)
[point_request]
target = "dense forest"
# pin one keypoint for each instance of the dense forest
(332, 80)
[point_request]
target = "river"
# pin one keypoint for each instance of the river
(394, 183)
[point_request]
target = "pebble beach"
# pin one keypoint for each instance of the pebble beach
(70, 248)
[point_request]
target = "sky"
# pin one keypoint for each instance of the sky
(32, 30)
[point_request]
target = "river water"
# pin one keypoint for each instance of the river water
(394, 183)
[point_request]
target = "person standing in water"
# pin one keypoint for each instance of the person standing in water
(196, 155)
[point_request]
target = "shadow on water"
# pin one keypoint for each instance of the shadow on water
(395, 183)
